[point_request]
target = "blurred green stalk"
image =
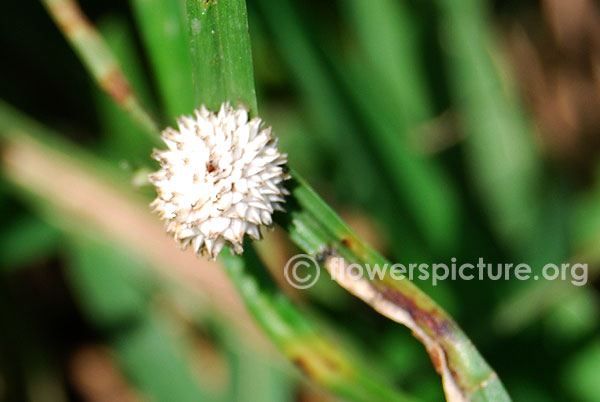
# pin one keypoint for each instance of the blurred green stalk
(163, 30)
(98, 59)
(505, 164)
(426, 191)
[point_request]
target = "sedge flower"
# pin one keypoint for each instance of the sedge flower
(220, 179)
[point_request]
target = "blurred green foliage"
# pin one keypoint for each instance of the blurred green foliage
(350, 88)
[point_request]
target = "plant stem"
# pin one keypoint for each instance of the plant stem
(296, 337)
(98, 59)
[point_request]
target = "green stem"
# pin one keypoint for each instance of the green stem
(506, 166)
(162, 28)
(296, 337)
(98, 59)
(221, 53)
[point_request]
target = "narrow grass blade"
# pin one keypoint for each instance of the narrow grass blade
(162, 26)
(221, 54)
(426, 194)
(295, 336)
(505, 164)
(389, 43)
(98, 59)
(122, 139)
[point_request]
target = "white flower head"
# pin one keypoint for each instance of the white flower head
(220, 178)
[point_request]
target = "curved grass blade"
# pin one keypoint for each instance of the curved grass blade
(317, 230)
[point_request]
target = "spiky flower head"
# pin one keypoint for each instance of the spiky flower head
(220, 178)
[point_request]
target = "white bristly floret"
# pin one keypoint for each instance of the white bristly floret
(220, 178)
